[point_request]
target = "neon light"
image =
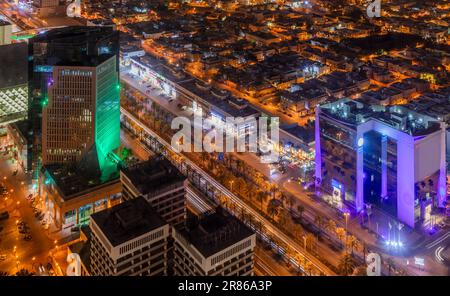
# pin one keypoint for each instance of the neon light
(28, 36)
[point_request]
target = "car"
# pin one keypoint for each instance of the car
(41, 216)
(43, 222)
(24, 231)
(37, 214)
(27, 237)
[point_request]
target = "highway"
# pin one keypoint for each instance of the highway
(271, 229)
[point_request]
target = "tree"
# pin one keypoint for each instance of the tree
(331, 226)
(261, 197)
(24, 272)
(340, 233)
(310, 241)
(308, 267)
(272, 208)
(360, 271)
(3, 273)
(318, 220)
(298, 231)
(300, 210)
(352, 243)
(346, 265)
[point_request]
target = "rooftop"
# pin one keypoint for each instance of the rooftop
(215, 232)
(127, 220)
(74, 180)
(401, 118)
(153, 175)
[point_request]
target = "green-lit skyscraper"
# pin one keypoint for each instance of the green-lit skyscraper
(74, 110)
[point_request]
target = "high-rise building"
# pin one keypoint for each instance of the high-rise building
(391, 157)
(161, 184)
(54, 59)
(82, 112)
(218, 244)
(128, 239)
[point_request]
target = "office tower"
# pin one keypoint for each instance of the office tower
(217, 245)
(161, 184)
(82, 112)
(390, 157)
(54, 59)
(128, 239)
(5, 32)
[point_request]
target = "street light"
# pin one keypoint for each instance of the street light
(346, 214)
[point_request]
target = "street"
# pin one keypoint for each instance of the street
(20, 253)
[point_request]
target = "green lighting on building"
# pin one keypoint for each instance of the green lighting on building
(22, 37)
(107, 117)
(44, 102)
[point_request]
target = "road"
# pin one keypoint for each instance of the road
(270, 228)
(11, 242)
(313, 207)
(267, 264)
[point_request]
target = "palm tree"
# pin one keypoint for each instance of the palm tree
(24, 272)
(360, 271)
(298, 231)
(352, 243)
(346, 265)
(261, 197)
(318, 220)
(308, 267)
(300, 211)
(331, 226)
(340, 233)
(310, 241)
(272, 208)
(273, 189)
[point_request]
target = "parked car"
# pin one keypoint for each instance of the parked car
(27, 237)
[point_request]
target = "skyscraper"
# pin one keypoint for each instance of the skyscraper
(73, 72)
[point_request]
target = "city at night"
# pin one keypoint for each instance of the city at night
(251, 140)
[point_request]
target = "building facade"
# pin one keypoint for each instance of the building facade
(64, 47)
(161, 184)
(217, 246)
(83, 110)
(128, 239)
(390, 157)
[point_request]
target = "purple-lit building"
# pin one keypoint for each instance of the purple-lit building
(390, 157)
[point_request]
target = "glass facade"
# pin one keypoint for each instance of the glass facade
(107, 117)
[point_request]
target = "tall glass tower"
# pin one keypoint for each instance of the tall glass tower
(66, 50)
